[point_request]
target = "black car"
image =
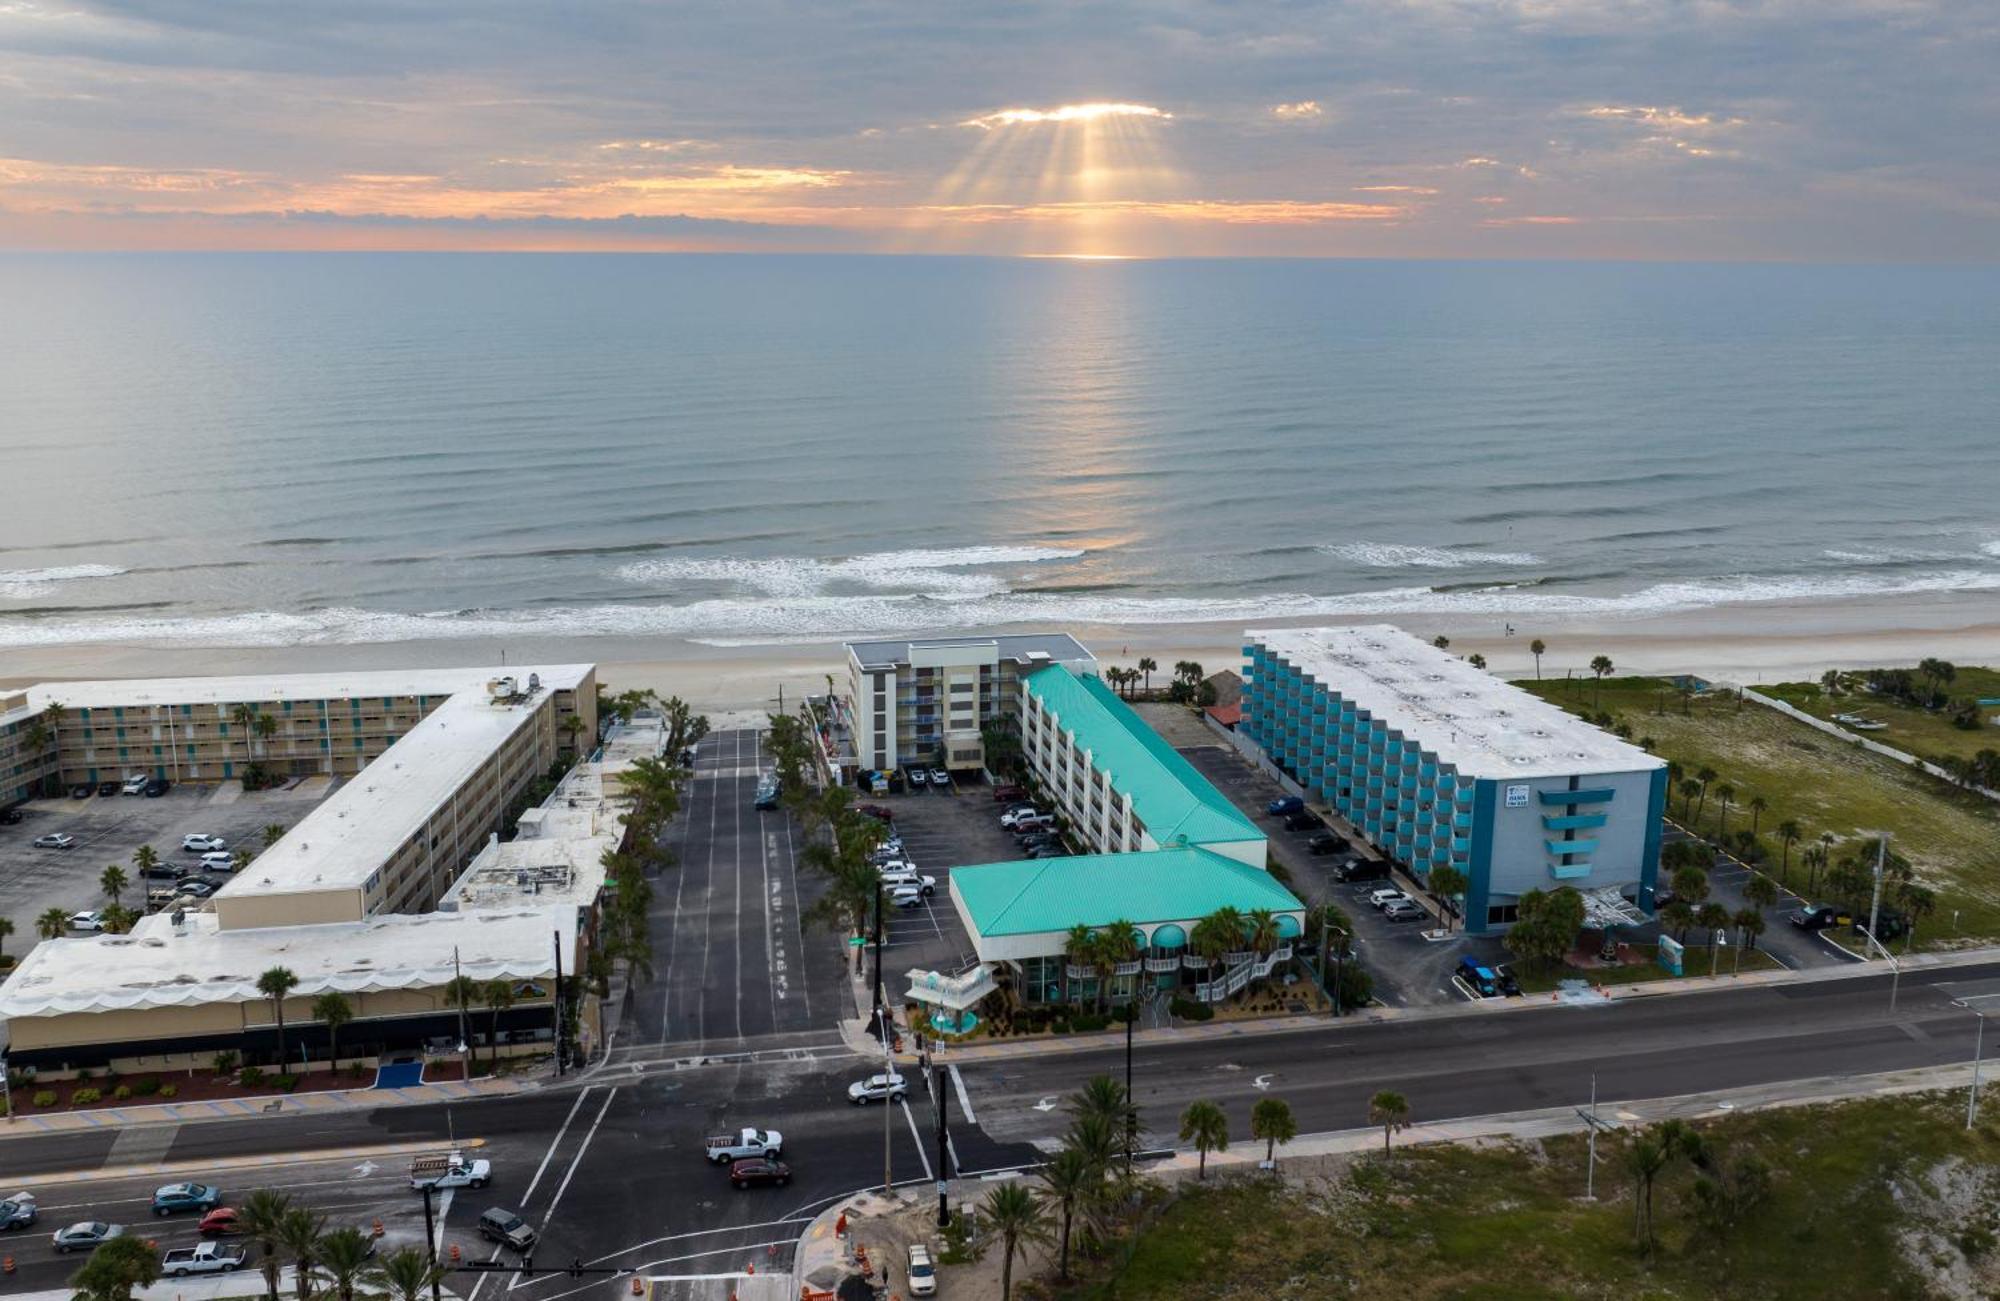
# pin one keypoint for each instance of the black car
(1303, 820)
(1364, 869)
(163, 872)
(1821, 917)
(1057, 850)
(80, 791)
(11, 816)
(1326, 842)
(107, 788)
(157, 787)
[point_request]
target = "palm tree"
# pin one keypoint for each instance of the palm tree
(1018, 1216)
(1117, 943)
(1103, 1098)
(244, 716)
(53, 924)
(1538, 648)
(1760, 890)
(1447, 882)
(1079, 950)
(1713, 918)
(113, 883)
(332, 1010)
(1205, 1125)
(273, 833)
(1703, 775)
(405, 1274)
(265, 728)
(498, 995)
(462, 992)
(344, 1255)
(1262, 925)
(117, 1267)
(261, 1218)
(1725, 794)
(1600, 668)
(145, 858)
(1789, 833)
(1645, 1158)
(299, 1235)
(1391, 1111)
(274, 985)
(1271, 1120)
(1689, 789)
(1476, 660)
(1757, 805)
(1146, 666)
(241, 859)
(1749, 924)
(1071, 1176)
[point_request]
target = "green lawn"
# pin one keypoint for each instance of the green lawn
(1694, 962)
(1918, 731)
(1509, 1221)
(1951, 837)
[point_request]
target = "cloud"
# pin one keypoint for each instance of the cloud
(1301, 110)
(1064, 113)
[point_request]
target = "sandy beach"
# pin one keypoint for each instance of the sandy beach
(1750, 644)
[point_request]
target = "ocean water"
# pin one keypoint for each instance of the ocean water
(248, 450)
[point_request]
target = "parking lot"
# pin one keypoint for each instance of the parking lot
(1409, 971)
(110, 828)
(941, 830)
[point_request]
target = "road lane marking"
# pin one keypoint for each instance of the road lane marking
(919, 1138)
(701, 1233)
(964, 1098)
(554, 1143)
(548, 1212)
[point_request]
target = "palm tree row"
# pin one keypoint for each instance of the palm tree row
(840, 840)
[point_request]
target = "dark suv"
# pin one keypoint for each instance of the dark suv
(1363, 869)
(1326, 842)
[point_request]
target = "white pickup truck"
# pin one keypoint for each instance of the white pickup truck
(745, 1143)
(449, 1170)
(204, 1258)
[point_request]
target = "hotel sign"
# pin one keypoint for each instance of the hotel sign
(1517, 797)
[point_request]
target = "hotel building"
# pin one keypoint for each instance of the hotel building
(1436, 762)
(924, 702)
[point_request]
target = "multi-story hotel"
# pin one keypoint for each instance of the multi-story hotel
(1436, 762)
(435, 761)
(924, 702)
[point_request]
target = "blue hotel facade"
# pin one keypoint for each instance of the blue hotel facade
(1436, 767)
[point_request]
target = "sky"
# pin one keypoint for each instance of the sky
(1837, 130)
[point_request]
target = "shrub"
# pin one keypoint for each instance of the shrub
(1187, 1009)
(83, 1097)
(284, 1082)
(1059, 1026)
(251, 1077)
(146, 1088)
(86, 1074)
(169, 1090)
(225, 1063)
(1093, 1021)
(121, 1093)
(45, 1097)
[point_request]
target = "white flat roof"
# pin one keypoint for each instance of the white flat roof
(1475, 722)
(532, 873)
(353, 832)
(276, 687)
(156, 967)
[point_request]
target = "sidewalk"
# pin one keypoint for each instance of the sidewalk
(34, 1124)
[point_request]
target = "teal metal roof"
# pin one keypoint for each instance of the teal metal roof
(1054, 894)
(1176, 803)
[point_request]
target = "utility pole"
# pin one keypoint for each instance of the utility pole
(1131, 1101)
(882, 1023)
(888, 1103)
(944, 1170)
(464, 1040)
(1978, 1052)
(558, 1004)
(1875, 903)
(431, 1242)
(1590, 1119)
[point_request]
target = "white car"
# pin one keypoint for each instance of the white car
(906, 896)
(1013, 817)
(90, 922)
(450, 1170)
(925, 884)
(136, 784)
(201, 844)
(877, 1088)
(55, 840)
(1383, 898)
(940, 778)
(923, 1274)
(218, 862)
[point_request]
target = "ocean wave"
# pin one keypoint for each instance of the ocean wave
(1992, 548)
(25, 584)
(919, 572)
(752, 621)
(1904, 555)
(1393, 555)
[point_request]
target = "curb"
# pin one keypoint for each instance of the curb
(27, 1124)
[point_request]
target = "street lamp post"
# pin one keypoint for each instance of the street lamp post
(1131, 1103)
(1978, 1052)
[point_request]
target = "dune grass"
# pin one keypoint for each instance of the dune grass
(1922, 732)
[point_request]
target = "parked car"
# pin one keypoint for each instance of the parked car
(1404, 910)
(917, 776)
(196, 889)
(767, 796)
(85, 1236)
(18, 1211)
(880, 812)
(444, 1170)
(162, 897)
(759, 1170)
(923, 1274)
(1384, 897)
(219, 1223)
(745, 1143)
(216, 861)
(136, 784)
(55, 840)
(202, 1258)
(1363, 869)
(906, 896)
(1015, 814)
(1054, 849)
(1033, 822)
(90, 923)
(80, 791)
(169, 1198)
(1481, 979)
(1009, 794)
(506, 1228)
(940, 779)
(157, 787)
(201, 843)
(163, 872)
(877, 1088)
(926, 884)
(1283, 805)
(1510, 986)
(1325, 842)
(1304, 820)
(1819, 917)
(107, 788)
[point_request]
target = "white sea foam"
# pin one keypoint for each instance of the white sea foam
(1395, 555)
(928, 573)
(751, 621)
(1992, 548)
(23, 584)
